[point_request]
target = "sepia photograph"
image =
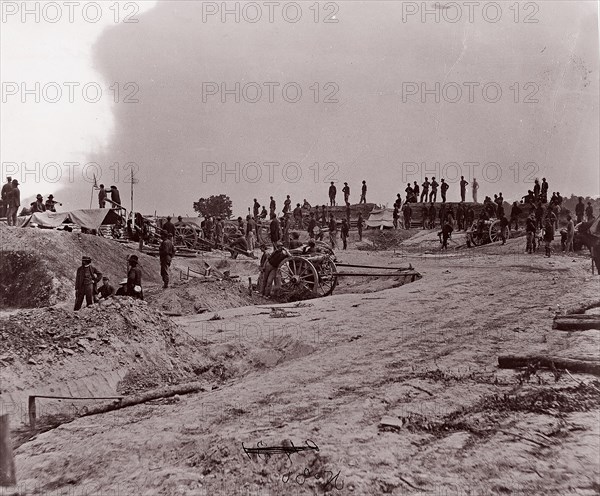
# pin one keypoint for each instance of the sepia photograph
(311, 247)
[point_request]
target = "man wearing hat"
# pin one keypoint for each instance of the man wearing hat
(106, 290)
(85, 281)
(14, 202)
(346, 191)
(115, 197)
(134, 278)
(50, 204)
(38, 204)
(332, 193)
(169, 227)
(166, 252)
(5, 190)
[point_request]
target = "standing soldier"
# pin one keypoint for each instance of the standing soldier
(548, 235)
(274, 230)
(463, 188)
(359, 225)
(85, 282)
(395, 217)
(299, 224)
(474, 188)
(332, 231)
(515, 211)
(407, 215)
(166, 252)
(530, 231)
(102, 194)
(251, 233)
(332, 193)
(503, 228)
(570, 233)
(169, 227)
(425, 191)
(444, 188)
(469, 217)
(219, 232)
(544, 190)
(460, 216)
(589, 210)
(272, 206)
(416, 191)
(323, 216)
(312, 223)
(434, 187)
(345, 232)
(5, 190)
(346, 191)
(14, 202)
(446, 232)
(115, 197)
(432, 214)
(255, 208)
(425, 214)
(579, 210)
(363, 193)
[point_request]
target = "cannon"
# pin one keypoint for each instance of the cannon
(316, 274)
(484, 232)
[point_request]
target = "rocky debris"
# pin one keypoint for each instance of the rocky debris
(59, 332)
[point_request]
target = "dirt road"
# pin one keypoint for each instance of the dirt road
(421, 357)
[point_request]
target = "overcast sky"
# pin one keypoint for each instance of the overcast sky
(371, 120)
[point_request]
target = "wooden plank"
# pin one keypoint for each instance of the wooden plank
(549, 362)
(569, 324)
(410, 267)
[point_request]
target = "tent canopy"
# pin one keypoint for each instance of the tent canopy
(91, 218)
(381, 217)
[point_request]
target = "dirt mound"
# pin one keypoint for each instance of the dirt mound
(192, 296)
(38, 266)
(386, 239)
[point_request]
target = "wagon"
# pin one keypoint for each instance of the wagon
(484, 233)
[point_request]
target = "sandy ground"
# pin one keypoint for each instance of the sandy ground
(422, 357)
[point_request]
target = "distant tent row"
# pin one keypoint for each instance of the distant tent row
(90, 219)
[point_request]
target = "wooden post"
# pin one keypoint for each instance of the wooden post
(7, 461)
(32, 412)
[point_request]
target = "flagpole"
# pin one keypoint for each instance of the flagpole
(92, 196)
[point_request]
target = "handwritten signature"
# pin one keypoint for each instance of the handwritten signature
(300, 478)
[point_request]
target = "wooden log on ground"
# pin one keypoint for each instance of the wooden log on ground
(568, 323)
(549, 362)
(578, 316)
(8, 476)
(154, 394)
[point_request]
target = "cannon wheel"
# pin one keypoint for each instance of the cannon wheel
(327, 277)
(298, 274)
(475, 237)
(495, 231)
(185, 236)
